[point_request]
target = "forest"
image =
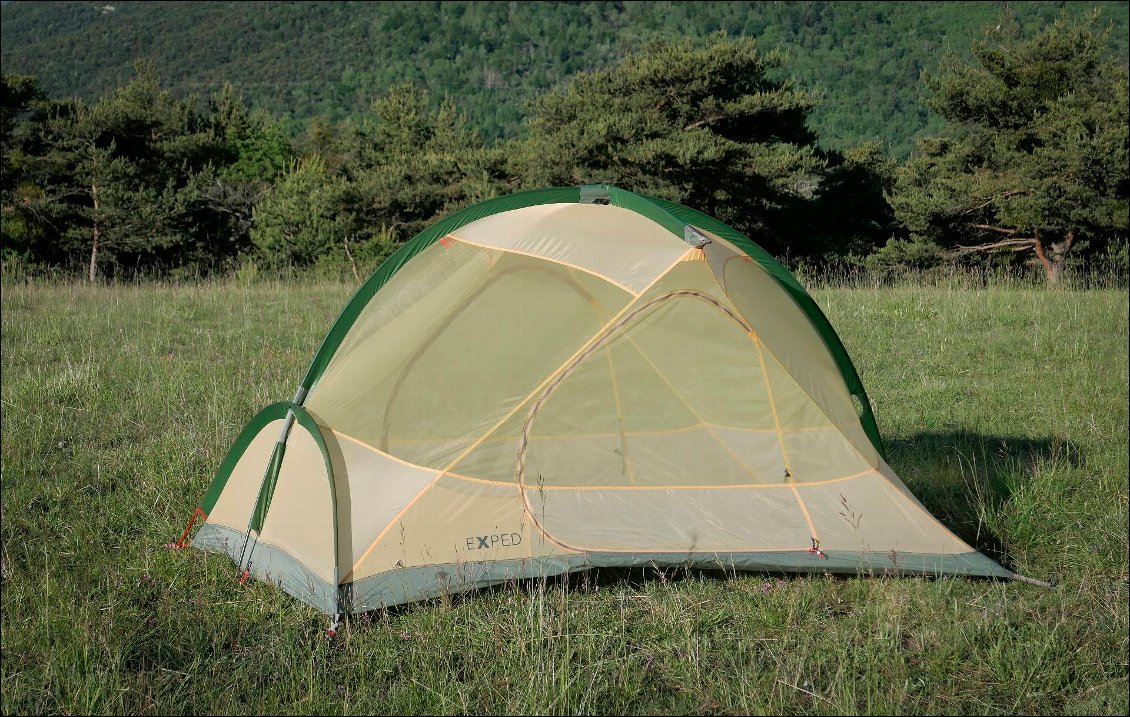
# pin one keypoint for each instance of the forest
(301, 60)
(893, 136)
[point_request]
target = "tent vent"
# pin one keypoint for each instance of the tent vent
(694, 237)
(594, 194)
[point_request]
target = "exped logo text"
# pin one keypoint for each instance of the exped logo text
(479, 542)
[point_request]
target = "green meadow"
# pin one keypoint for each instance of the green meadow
(1004, 408)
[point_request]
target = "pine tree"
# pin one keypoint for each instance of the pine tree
(702, 125)
(1035, 159)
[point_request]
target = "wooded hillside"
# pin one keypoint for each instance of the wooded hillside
(303, 59)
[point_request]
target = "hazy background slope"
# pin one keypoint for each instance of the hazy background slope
(304, 59)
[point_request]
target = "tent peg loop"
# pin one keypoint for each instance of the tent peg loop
(816, 549)
(180, 544)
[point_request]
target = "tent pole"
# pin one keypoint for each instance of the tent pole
(335, 620)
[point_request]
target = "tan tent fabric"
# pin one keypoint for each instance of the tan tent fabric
(234, 507)
(441, 373)
(685, 521)
(445, 526)
(848, 520)
(301, 519)
(372, 489)
(617, 244)
(789, 335)
(569, 384)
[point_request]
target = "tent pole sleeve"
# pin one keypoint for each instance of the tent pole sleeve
(270, 478)
(271, 413)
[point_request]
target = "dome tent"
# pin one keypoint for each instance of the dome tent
(562, 379)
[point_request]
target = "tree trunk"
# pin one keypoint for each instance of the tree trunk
(352, 263)
(94, 244)
(1059, 253)
(1054, 256)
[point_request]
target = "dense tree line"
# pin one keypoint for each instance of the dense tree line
(1029, 164)
(299, 60)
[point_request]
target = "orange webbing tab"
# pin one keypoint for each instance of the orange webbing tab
(184, 536)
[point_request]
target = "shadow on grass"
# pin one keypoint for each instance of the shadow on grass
(964, 477)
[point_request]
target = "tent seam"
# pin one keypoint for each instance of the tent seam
(541, 257)
(722, 285)
(565, 436)
(781, 436)
(784, 278)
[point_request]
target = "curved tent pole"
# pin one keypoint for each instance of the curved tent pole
(290, 412)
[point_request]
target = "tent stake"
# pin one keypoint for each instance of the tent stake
(1030, 581)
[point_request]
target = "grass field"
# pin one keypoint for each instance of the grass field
(1004, 409)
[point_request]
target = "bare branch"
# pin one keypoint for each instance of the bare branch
(701, 122)
(1006, 245)
(990, 200)
(1049, 268)
(991, 228)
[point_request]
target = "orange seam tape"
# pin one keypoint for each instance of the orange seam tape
(550, 259)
